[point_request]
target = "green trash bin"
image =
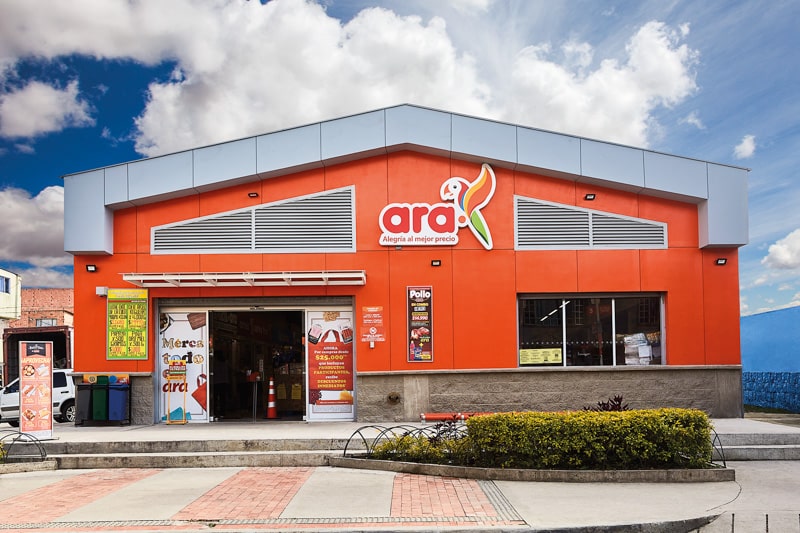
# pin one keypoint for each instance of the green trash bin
(100, 399)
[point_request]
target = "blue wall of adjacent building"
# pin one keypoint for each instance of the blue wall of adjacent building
(771, 359)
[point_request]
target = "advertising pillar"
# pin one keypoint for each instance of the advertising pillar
(36, 388)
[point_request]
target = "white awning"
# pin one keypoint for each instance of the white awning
(247, 279)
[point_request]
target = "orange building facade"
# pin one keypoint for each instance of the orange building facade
(389, 277)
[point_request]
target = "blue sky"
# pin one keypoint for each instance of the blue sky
(91, 83)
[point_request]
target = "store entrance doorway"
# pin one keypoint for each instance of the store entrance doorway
(248, 349)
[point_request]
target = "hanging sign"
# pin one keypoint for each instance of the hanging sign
(422, 224)
(127, 324)
(36, 388)
(420, 324)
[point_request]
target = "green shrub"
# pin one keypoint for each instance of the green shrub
(638, 439)
(415, 449)
(648, 438)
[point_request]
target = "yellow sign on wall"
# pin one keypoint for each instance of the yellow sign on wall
(540, 356)
(126, 324)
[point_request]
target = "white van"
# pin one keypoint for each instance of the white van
(63, 398)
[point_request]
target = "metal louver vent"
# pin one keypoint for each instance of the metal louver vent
(543, 225)
(312, 223)
(226, 232)
(323, 222)
(615, 231)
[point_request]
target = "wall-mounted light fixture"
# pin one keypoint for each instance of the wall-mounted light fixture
(91, 268)
(101, 291)
(590, 196)
(252, 194)
(436, 262)
(721, 261)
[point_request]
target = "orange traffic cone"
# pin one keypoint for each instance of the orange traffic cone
(272, 411)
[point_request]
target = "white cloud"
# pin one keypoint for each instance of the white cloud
(24, 148)
(45, 277)
(746, 148)
(39, 108)
(613, 102)
(243, 68)
(375, 60)
(33, 227)
(471, 7)
(785, 253)
(693, 120)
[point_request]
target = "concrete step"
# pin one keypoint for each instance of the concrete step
(189, 446)
(196, 453)
(759, 439)
(757, 447)
(789, 452)
(195, 459)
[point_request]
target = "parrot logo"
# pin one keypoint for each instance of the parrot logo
(469, 198)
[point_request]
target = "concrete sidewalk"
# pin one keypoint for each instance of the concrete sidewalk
(764, 496)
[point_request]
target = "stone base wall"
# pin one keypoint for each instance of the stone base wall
(402, 396)
(142, 400)
(777, 390)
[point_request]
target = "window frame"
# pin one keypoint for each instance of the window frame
(564, 320)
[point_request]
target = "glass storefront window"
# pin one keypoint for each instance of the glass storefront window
(586, 330)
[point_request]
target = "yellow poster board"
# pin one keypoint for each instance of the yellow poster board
(127, 324)
(538, 356)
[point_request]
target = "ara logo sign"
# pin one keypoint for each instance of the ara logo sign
(422, 224)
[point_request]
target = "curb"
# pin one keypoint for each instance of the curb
(709, 475)
(14, 468)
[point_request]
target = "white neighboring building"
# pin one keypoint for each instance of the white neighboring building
(10, 304)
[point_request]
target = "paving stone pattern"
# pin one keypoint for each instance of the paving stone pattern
(255, 498)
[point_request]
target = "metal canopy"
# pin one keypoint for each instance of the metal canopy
(247, 279)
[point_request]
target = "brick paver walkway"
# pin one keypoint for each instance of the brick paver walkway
(250, 494)
(57, 499)
(255, 498)
(414, 495)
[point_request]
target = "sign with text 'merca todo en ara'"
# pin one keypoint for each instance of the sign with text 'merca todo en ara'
(422, 224)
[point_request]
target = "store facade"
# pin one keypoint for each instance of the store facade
(403, 261)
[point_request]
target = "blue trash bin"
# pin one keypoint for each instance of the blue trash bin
(118, 401)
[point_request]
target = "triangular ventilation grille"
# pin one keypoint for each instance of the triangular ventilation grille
(323, 222)
(544, 225)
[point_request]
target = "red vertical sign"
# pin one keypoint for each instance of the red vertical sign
(420, 324)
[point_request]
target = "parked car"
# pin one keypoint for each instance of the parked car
(63, 398)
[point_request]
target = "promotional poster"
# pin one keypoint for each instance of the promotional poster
(420, 324)
(330, 365)
(127, 324)
(36, 388)
(184, 337)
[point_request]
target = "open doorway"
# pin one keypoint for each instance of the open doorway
(249, 349)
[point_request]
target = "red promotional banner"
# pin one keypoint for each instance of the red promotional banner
(330, 365)
(420, 324)
(36, 388)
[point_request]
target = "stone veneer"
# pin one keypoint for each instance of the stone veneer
(142, 401)
(402, 396)
(779, 390)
